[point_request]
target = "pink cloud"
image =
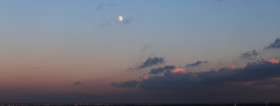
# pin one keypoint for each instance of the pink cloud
(272, 60)
(179, 70)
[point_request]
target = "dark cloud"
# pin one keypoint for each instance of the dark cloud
(229, 84)
(198, 63)
(78, 83)
(274, 45)
(161, 69)
(249, 54)
(126, 84)
(252, 72)
(152, 61)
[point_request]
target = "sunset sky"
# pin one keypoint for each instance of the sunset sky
(139, 51)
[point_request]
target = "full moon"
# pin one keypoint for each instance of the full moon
(120, 18)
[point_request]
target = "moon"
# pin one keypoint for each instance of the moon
(120, 18)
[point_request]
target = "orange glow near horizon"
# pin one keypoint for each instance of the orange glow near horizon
(145, 77)
(179, 70)
(232, 68)
(272, 60)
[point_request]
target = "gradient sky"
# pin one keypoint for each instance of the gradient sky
(71, 51)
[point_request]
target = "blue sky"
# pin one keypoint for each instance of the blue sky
(83, 41)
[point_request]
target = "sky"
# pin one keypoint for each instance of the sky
(162, 51)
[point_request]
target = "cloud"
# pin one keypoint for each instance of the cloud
(271, 60)
(104, 24)
(127, 21)
(249, 54)
(78, 83)
(179, 70)
(161, 69)
(152, 61)
(274, 45)
(146, 47)
(126, 84)
(250, 75)
(252, 72)
(102, 5)
(198, 63)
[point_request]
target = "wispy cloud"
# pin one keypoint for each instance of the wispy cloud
(249, 54)
(151, 62)
(102, 5)
(197, 63)
(161, 69)
(274, 45)
(146, 47)
(127, 20)
(78, 83)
